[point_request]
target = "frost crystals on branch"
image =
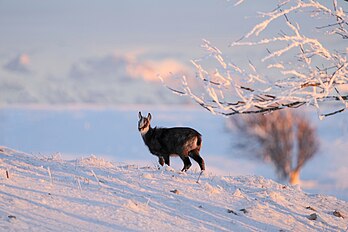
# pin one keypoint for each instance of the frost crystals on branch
(297, 67)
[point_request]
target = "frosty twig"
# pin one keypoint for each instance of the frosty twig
(298, 68)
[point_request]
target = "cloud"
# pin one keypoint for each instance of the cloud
(102, 67)
(19, 64)
(127, 68)
(107, 79)
(149, 70)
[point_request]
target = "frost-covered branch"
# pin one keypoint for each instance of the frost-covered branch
(298, 66)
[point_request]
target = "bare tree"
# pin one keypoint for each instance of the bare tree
(297, 67)
(285, 139)
(308, 145)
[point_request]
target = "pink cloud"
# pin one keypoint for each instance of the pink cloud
(19, 64)
(149, 70)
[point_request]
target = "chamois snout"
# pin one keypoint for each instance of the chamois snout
(165, 142)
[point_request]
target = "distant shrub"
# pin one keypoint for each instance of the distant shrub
(285, 139)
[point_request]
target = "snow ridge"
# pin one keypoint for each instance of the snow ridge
(92, 194)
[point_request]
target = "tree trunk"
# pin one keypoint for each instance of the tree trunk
(294, 177)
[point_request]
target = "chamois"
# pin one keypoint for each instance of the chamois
(165, 142)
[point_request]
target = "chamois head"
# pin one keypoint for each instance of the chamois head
(144, 123)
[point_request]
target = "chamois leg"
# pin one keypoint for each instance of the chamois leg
(166, 160)
(187, 163)
(194, 154)
(161, 160)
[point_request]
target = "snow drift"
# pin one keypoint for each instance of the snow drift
(40, 193)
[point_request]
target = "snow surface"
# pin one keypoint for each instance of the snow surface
(112, 134)
(92, 194)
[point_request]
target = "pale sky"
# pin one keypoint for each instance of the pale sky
(48, 48)
(28, 26)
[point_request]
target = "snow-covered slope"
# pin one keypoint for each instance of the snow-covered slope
(91, 194)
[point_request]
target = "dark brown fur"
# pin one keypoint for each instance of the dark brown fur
(165, 142)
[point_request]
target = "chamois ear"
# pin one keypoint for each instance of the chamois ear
(140, 115)
(149, 117)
